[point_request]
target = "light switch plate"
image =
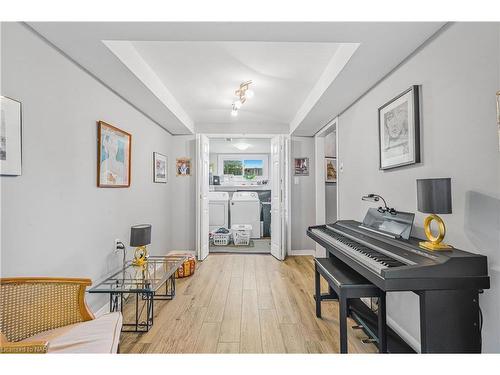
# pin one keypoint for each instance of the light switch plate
(296, 180)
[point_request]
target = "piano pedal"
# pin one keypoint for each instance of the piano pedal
(368, 341)
(357, 327)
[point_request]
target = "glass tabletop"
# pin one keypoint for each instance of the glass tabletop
(146, 278)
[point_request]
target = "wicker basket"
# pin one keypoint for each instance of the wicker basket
(187, 268)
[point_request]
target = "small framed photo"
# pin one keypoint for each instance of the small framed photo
(183, 166)
(160, 165)
(301, 167)
(10, 137)
(330, 169)
(498, 118)
(113, 156)
(399, 130)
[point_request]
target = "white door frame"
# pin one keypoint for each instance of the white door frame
(319, 157)
(202, 221)
(287, 234)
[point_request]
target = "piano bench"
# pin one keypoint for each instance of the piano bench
(347, 284)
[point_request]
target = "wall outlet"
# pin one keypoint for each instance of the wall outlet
(118, 245)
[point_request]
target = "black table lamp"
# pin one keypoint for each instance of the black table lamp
(434, 197)
(140, 236)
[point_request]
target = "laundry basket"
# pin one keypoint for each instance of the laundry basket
(221, 239)
(241, 234)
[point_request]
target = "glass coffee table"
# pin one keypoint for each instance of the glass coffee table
(155, 280)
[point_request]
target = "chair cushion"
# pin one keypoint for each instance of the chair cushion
(100, 335)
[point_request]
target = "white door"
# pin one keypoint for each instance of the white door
(202, 187)
(278, 196)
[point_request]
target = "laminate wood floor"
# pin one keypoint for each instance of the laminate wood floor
(244, 303)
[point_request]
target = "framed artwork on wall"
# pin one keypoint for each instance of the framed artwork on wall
(113, 156)
(160, 165)
(301, 167)
(498, 118)
(183, 166)
(10, 137)
(330, 169)
(399, 130)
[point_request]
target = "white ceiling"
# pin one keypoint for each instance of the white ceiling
(182, 75)
(203, 76)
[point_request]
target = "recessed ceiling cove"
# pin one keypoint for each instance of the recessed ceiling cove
(201, 77)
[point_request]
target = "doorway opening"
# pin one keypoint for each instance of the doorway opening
(327, 177)
(243, 201)
(239, 195)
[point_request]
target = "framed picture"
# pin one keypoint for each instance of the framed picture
(498, 118)
(183, 166)
(10, 137)
(330, 169)
(399, 130)
(160, 171)
(301, 167)
(113, 156)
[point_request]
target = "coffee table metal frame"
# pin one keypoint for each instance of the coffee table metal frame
(146, 286)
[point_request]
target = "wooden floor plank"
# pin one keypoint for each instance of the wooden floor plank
(272, 341)
(249, 281)
(264, 295)
(207, 338)
(228, 347)
(231, 321)
(293, 338)
(250, 341)
(217, 303)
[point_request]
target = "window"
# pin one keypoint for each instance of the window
(248, 167)
(234, 167)
(253, 167)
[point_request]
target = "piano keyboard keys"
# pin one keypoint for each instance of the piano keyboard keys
(364, 254)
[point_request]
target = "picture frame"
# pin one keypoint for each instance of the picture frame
(498, 118)
(301, 167)
(331, 170)
(160, 168)
(183, 166)
(114, 153)
(11, 124)
(399, 130)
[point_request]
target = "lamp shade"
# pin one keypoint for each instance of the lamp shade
(434, 195)
(140, 235)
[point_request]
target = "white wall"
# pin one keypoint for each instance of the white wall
(459, 73)
(55, 221)
(302, 211)
(183, 197)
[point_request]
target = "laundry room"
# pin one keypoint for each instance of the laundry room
(240, 195)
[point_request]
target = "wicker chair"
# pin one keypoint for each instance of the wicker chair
(29, 306)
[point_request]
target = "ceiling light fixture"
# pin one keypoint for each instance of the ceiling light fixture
(242, 146)
(243, 93)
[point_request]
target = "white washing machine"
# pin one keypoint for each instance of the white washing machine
(218, 210)
(245, 209)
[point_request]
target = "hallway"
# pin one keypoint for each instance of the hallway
(238, 303)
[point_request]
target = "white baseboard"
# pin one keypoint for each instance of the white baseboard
(409, 339)
(103, 310)
(302, 252)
